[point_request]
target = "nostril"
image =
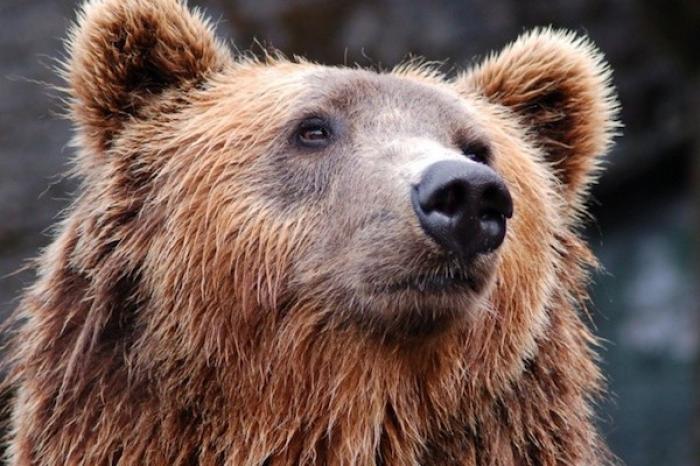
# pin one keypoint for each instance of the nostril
(448, 200)
(490, 215)
(496, 201)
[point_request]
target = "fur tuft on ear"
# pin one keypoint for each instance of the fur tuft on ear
(559, 85)
(125, 53)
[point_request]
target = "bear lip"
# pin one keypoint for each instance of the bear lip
(431, 283)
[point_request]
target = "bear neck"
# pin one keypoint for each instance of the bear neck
(342, 399)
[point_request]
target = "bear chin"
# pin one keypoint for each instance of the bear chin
(429, 302)
(419, 316)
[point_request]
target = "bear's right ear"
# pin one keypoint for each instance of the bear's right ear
(123, 54)
(558, 84)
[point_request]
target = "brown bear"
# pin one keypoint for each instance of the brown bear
(274, 262)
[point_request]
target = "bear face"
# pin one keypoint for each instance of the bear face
(302, 245)
(359, 249)
(368, 261)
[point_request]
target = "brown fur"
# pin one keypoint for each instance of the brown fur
(197, 307)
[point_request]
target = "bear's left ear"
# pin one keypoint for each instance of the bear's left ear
(559, 86)
(124, 54)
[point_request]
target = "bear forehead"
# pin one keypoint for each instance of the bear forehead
(407, 99)
(348, 86)
(357, 90)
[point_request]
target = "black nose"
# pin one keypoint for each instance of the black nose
(463, 206)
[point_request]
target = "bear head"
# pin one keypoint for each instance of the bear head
(400, 203)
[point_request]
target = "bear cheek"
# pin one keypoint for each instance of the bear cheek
(528, 258)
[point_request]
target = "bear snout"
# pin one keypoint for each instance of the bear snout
(463, 206)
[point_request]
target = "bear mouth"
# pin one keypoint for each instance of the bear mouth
(431, 283)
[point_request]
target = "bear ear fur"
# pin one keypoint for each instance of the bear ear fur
(559, 86)
(125, 53)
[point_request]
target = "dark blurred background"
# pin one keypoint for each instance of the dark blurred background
(645, 301)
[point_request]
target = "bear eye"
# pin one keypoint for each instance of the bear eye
(314, 132)
(476, 152)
